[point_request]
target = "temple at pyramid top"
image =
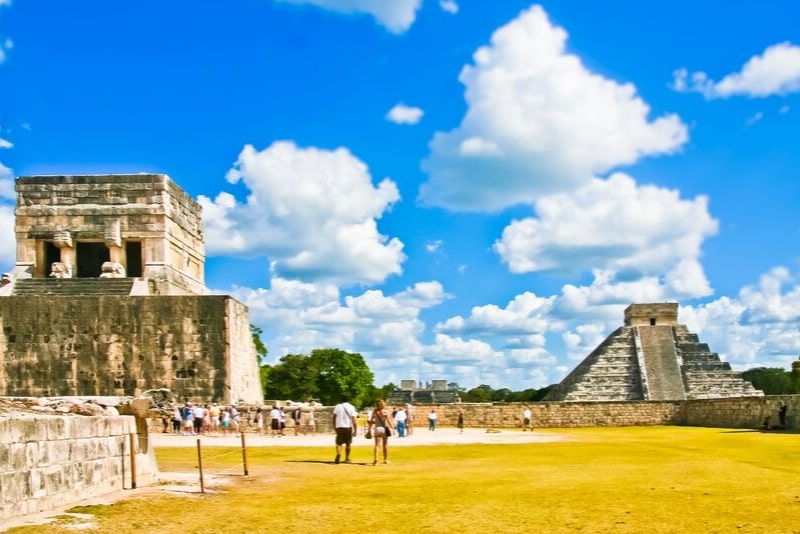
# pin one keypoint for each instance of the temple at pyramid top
(651, 357)
(110, 226)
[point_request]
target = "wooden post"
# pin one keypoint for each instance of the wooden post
(200, 465)
(133, 461)
(244, 455)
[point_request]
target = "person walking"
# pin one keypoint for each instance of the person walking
(400, 418)
(432, 417)
(526, 419)
(345, 426)
(782, 413)
(460, 421)
(380, 424)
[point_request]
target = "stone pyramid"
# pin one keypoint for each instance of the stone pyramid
(651, 357)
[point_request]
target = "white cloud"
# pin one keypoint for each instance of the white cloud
(7, 184)
(614, 226)
(8, 241)
(6, 45)
(449, 6)
(433, 246)
(403, 114)
(313, 212)
(760, 328)
(538, 121)
(525, 315)
(395, 15)
(754, 119)
(784, 110)
(775, 72)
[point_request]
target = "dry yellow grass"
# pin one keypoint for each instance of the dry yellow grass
(642, 479)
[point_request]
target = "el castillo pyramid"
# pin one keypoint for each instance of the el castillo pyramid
(651, 357)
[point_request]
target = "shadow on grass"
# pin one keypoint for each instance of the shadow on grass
(324, 462)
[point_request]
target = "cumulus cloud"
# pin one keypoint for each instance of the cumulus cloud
(449, 6)
(613, 226)
(758, 328)
(525, 315)
(754, 118)
(299, 316)
(403, 114)
(395, 15)
(8, 242)
(312, 212)
(538, 121)
(775, 72)
(5, 46)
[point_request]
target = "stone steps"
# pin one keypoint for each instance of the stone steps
(73, 286)
(664, 379)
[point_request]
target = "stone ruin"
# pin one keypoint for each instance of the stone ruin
(652, 357)
(108, 297)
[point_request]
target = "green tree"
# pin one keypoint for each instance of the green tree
(794, 376)
(295, 378)
(325, 375)
(261, 349)
(342, 374)
(482, 393)
(770, 380)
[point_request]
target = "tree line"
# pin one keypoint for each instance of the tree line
(327, 375)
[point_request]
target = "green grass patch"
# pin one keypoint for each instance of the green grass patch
(638, 479)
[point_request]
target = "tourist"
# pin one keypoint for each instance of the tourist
(460, 421)
(526, 419)
(176, 420)
(297, 416)
(400, 418)
(311, 424)
(345, 426)
(275, 421)
(259, 421)
(432, 420)
(234, 420)
(225, 421)
(187, 415)
(380, 425)
(199, 415)
(214, 412)
(782, 413)
(411, 414)
(206, 418)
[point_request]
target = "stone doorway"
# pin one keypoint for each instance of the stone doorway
(90, 258)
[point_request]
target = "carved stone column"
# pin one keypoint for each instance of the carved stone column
(112, 236)
(63, 241)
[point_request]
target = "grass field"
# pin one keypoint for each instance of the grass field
(638, 479)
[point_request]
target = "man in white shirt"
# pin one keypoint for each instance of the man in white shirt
(526, 419)
(344, 422)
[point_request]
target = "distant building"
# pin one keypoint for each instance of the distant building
(435, 392)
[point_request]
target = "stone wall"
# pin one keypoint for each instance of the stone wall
(119, 345)
(49, 461)
(737, 412)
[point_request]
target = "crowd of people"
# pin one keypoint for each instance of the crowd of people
(378, 424)
(212, 418)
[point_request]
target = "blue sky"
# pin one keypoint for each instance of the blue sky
(462, 190)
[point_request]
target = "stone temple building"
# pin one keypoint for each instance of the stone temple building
(651, 357)
(108, 297)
